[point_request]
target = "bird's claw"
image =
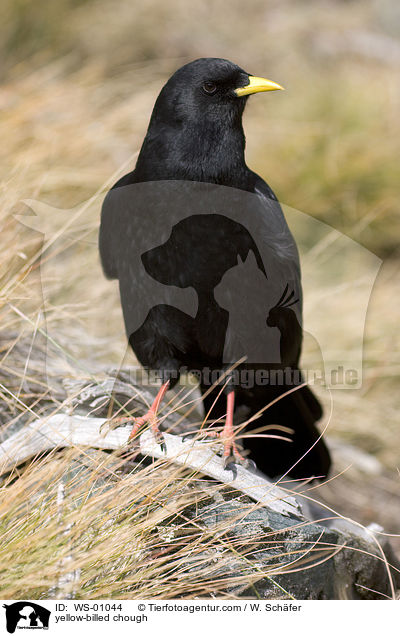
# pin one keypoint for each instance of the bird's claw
(139, 422)
(159, 437)
(231, 450)
(230, 464)
(231, 453)
(234, 457)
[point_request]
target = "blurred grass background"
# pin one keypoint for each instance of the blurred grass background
(78, 82)
(329, 146)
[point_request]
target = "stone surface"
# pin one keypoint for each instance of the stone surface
(301, 559)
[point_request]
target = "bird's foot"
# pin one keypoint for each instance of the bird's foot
(138, 422)
(231, 453)
(150, 417)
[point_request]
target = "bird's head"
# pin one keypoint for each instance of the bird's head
(195, 131)
(208, 89)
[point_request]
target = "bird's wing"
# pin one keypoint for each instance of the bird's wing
(133, 221)
(278, 230)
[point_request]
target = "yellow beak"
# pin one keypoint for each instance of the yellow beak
(258, 85)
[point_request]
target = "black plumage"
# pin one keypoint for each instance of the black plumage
(207, 267)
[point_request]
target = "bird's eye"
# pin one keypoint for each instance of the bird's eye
(210, 88)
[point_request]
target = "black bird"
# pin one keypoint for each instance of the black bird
(215, 219)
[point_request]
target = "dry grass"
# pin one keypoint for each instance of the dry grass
(75, 103)
(114, 535)
(103, 526)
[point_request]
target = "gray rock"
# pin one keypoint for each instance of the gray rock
(301, 559)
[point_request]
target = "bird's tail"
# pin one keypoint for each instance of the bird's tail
(302, 453)
(306, 454)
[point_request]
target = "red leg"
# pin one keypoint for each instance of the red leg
(227, 435)
(150, 416)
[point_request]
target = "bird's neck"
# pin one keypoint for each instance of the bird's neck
(208, 153)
